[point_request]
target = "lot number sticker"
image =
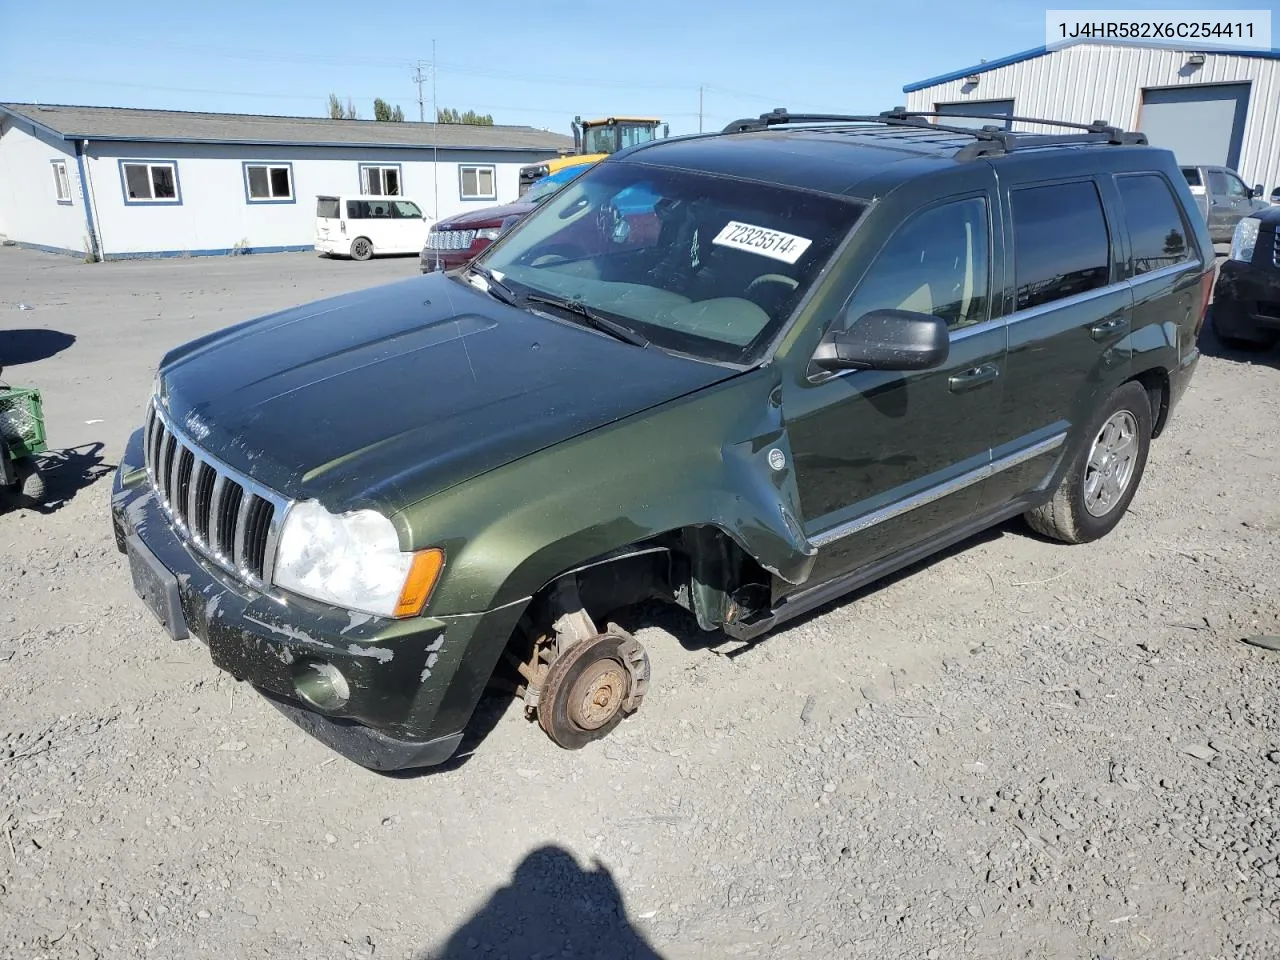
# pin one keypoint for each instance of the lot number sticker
(767, 243)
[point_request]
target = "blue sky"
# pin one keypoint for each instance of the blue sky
(523, 62)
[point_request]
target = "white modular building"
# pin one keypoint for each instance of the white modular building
(1211, 107)
(116, 183)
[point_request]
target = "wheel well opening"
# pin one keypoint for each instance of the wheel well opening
(1156, 383)
(701, 569)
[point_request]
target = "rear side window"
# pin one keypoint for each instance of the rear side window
(1157, 233)
(1193, 176)
(368, 209)
(1217, 182)
(1060, 242)
(327, 208)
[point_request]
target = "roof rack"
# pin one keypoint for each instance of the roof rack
(991, 140)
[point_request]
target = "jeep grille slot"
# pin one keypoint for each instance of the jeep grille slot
(226, 517)
(202, 501)
(258, 522)
(1275, 250)
(224, 523)
(182, 485)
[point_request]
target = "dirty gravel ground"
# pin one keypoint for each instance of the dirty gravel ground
(1018, 750)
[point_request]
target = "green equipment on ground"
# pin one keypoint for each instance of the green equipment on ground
(22, 437)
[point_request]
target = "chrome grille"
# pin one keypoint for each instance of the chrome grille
(1275, 250)
(450, 239)
(226, 516)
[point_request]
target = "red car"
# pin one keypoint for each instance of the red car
(455, 240)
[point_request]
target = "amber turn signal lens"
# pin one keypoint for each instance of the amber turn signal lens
(423, 574)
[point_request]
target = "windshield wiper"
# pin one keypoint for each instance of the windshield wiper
(611, 327)
(498, 289)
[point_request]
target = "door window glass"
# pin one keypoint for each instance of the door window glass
(1236, 190)
(405, 210)
(936, 264)
(1060, 242)
(1217, 182)
(1156, 231)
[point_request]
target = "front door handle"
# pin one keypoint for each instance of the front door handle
(974, 378)
(1108, 327)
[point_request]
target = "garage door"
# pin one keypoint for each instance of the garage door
(999, 108)
(1201, 125)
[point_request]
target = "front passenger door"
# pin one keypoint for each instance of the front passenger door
(886, 459)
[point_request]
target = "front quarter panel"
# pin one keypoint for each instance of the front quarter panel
(703, 460)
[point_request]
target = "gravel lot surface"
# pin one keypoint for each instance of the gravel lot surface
(1019, 749)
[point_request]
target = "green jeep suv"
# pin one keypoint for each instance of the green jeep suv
(743, 373)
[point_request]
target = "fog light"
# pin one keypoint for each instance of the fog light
(321, 684)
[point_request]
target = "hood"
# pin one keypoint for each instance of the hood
(486, 217)
(382, 397)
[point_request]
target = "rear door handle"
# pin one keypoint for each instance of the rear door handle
(974, 378)
(1108, 327)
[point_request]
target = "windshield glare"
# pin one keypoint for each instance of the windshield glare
(542, 189)
(698, 263)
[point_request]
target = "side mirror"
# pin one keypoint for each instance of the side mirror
(1256, 192)
(887, 340)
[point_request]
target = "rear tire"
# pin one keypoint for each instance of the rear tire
(1104, 474)
(31, 484)
(361, 248)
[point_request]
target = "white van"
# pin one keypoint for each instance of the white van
(362, 227)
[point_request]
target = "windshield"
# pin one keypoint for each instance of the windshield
(605, 138)
(701, 264)
(601, 139)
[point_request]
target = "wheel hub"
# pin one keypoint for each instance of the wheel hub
(598, 694)
(1111, 463)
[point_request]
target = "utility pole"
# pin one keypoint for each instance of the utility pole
(418, 78)
(435, 137)
(699, 109)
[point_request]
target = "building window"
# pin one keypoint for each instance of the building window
(150, 181)
(61, 183)
(380, 180)
(268, 182)
(477, 183)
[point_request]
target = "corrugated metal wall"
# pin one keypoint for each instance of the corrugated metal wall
(1094, 81)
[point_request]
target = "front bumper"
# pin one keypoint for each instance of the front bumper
(412, 684)
(1246, 298)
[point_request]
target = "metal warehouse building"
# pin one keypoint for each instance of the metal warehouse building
(121, 183)
(1211, 108)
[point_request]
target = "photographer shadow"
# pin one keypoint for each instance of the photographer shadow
(551, 908)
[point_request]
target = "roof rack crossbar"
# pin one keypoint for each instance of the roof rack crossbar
(991, 140)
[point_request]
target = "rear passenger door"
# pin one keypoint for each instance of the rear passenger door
(1164, 267)
(1068, 308)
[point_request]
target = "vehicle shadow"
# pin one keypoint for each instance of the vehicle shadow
(67, 472)
(681, 624)
(1211, 346)
(551, 908)
(28, 346)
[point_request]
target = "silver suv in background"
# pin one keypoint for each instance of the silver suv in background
(1223, 198)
